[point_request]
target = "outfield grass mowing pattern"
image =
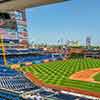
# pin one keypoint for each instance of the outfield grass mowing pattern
(97, 77)
(58, 73)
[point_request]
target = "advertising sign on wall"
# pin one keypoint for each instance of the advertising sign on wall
(8, 24)
(8, 33)
(22, 28)
(8, 27)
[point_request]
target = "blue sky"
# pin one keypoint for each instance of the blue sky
(72, 20)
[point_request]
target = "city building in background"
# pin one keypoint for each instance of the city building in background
(88, 42)
(73, 43)
(13, 29)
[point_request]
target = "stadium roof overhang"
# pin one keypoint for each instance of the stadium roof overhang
(10, 5)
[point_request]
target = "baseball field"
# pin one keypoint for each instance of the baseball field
(82, 74)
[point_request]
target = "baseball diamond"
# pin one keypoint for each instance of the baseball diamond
(59, 72)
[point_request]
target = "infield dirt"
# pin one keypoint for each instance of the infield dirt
(86, 75)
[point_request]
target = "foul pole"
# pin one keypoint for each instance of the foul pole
(3, 50)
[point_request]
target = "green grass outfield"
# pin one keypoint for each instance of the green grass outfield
(97, 77)
(58, 73)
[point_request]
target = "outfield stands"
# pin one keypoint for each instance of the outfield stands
(28, 58)
(21, 51)
(15, 56)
